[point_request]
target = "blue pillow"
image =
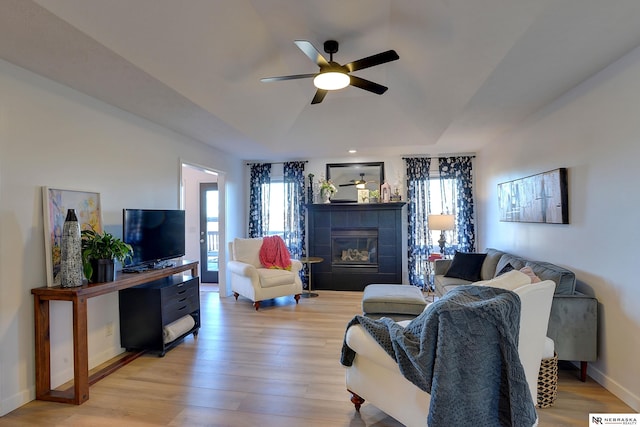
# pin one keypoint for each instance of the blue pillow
(466, 266)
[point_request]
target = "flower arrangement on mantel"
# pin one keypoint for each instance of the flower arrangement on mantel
(327, 189)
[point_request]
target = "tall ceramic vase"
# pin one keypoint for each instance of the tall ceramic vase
(71, 252)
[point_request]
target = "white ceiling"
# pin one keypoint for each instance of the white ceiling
(468, 69)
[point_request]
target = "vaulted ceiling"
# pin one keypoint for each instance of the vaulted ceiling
(468, 69)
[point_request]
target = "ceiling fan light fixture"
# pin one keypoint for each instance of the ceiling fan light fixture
(361, 185)
(331, 80)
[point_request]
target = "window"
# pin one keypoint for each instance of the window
(276, 208)
(441, 201)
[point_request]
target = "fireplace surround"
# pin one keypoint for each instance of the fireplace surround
(361, 243)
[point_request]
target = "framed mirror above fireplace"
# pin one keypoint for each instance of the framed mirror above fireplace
(347, 176)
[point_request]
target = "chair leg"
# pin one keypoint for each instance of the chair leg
(235, 294)
(356, 400)
(256, 305)
(297, 297)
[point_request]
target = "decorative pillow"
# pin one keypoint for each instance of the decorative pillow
(505, 269)
(466, 266)
(510, 280)
(529, 272)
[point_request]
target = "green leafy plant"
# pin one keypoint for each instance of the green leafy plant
(97, 246)
(374, 194)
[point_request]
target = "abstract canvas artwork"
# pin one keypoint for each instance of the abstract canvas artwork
(55, 204)
(538, 198)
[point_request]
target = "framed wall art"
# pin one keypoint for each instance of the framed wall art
(540, 198)
(55, 203)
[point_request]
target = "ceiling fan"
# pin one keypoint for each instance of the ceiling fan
(333, 76)
(359, 183)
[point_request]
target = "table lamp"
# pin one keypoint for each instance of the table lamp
(442, 223)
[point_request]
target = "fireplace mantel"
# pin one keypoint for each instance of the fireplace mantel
(374, 227)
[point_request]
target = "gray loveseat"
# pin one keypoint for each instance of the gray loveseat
(573, 324)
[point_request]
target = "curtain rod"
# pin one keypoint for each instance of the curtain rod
(441, 156)
(277, 163)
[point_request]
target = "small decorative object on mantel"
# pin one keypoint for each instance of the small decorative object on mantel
(385, 191)
(396, 197)
(374, 196)
(310, 189)
(71, 252)
(363, 196)
(327, 190)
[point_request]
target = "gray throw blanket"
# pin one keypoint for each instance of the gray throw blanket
(463, 351)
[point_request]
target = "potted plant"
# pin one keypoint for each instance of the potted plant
(99, 252)
(374, 196)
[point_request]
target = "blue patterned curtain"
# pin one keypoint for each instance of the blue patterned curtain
(456, 176)
(417, 209)
(294, 220)
(259, 199)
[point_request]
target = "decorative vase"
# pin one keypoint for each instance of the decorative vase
(310, 189)
(71, 252)
(326, 197)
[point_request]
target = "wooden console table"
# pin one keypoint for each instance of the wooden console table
(78, 296)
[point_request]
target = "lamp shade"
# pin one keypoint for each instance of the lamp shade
(441, 222)
(331, 80)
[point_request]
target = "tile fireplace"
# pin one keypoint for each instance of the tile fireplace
(361, 243)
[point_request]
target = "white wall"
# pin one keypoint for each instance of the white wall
(593, 131)
(53, 136)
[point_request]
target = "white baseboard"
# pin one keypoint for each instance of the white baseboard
(615, 388)
(22, 398)
(65, 375)
(17, 400)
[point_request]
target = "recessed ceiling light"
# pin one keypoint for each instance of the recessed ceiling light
(352, 151)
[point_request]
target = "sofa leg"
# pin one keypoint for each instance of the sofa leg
(356, 400)
(235, 294)
(583, 371)
(297, 297)
(256, 305)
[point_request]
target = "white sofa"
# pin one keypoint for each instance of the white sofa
(375, 377)
(252, 280)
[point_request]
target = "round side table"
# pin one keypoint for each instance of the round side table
(310, 260)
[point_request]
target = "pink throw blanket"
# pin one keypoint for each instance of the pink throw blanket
(274, 253)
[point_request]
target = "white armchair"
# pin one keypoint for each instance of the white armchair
(252, 280)
(375, 377)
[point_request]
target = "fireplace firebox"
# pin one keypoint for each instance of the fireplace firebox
(354, 248)
(360, 243)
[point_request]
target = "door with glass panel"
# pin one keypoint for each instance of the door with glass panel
(209, 236)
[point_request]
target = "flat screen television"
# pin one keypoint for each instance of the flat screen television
(156, 235)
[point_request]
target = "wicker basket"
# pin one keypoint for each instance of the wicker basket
(548, 382)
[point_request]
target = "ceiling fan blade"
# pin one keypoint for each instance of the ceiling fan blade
(314, 54)
(372, 60)
(319, 96)
(367, 85)
(346, 185)
(292, 77)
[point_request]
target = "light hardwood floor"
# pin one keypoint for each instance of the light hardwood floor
(278, 367)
